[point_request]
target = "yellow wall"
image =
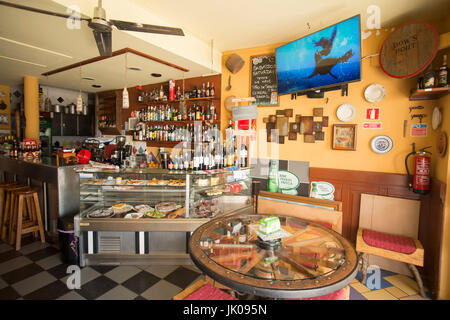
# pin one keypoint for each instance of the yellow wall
(394, 109)
(5, 90)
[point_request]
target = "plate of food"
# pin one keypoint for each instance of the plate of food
(154, 214)
(134, 215)
(166, 207)
(382, 144)
(346, 112)
(121, 208)
(375, 93)
(101, 213)
(143, 208)
(135, 182)
(176, 182)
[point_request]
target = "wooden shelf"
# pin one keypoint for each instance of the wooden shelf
(177, 101)
(166, 144)
(110, 131)
(182, 122)
(428, 94)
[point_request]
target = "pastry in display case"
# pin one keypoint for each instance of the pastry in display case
(150, 213)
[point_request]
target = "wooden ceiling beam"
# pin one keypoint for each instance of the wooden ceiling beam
(114, 54)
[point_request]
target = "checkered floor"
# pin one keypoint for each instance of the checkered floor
(36, 272)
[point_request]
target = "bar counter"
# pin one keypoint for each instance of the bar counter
(59, 192)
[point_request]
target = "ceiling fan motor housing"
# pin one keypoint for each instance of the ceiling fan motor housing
(98, 21)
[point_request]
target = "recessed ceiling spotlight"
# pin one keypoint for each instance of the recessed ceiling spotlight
(87, 78)
(96, 86)
(134, 68)
(156, 75)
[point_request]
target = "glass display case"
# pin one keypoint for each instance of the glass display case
(146, 216)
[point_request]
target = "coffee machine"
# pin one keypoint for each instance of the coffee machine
(122, 151)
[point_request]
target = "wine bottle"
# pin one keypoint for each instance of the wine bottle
(443, 73)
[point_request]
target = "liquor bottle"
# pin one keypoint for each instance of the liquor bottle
(208, 112)
(198, 115)
(161, 93)
(207, 90)
(272, 183)
(443, 73)
(199, 93)
(178, 95)
(203, 92)
(194, 92)
(211, 90)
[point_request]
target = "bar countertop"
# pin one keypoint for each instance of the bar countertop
(43, 161)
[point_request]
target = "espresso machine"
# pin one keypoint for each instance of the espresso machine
(121, 152)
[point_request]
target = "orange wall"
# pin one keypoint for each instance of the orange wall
(394, 109)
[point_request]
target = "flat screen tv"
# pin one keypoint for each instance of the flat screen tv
(326, 58)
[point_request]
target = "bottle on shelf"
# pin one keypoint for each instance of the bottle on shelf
(207, 90)
(211, 90)
(443, 73)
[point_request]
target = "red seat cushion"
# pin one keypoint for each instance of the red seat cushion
(337, 295)
(208, 292)
(389, 241)
(325, 224)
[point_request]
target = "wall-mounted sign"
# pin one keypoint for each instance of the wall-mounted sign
(409, 50)
(372, 125)
(419, 130)
(373, 114)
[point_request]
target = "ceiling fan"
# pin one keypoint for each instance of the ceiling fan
(102, 27)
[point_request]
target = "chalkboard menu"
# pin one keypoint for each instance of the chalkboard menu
(263, 80)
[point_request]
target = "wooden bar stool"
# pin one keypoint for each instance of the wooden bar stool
(8, 207)
(3, 186)
(26, 217)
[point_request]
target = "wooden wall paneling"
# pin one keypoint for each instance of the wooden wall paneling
(350, 184)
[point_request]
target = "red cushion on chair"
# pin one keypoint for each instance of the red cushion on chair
(389, 241)
(337, 295)
(208, 292)
(325, 224)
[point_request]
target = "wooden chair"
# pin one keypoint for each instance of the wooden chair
(202, 290)
(325, 212)
(388, 229)
(394, 247)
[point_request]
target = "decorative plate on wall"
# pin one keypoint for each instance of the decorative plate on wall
(346, 112)
(436, 118)
(381, 144)
(375, 93)
(441, 143)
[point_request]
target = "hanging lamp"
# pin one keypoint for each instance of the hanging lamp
(79, 107)
(125, 98)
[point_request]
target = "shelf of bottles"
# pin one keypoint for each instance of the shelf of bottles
(106, 111)
(204, 93)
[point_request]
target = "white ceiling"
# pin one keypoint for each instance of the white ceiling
(233, 24)
(237, 24)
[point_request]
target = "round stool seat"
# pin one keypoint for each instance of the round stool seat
(15, 187)
(28, 191)
(8, 183)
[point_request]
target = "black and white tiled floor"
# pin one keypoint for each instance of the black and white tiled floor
(36, 272)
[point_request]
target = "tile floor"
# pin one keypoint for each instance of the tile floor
(36, 272)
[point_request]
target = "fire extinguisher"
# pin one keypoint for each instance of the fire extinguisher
(420, 182)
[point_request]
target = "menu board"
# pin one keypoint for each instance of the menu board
(263, 80)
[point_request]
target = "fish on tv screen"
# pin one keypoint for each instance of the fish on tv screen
(323, 59)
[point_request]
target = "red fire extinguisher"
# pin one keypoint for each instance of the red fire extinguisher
(420, 182)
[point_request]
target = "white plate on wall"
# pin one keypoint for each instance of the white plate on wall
(381, 144)
(436, 118)
(346, 112)
(375, 93)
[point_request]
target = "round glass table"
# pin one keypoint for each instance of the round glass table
(302, 260)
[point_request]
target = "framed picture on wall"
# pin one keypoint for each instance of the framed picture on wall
(344, 137)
